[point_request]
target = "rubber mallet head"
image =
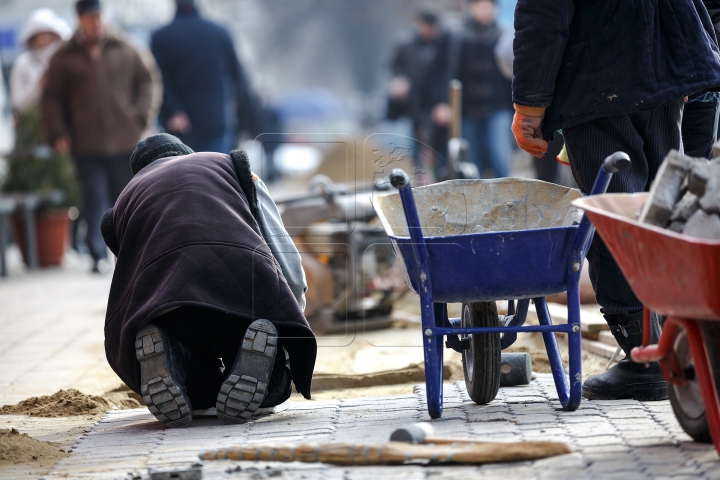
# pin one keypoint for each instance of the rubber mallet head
(415, 433)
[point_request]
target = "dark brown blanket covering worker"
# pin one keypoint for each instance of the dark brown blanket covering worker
(185, 236)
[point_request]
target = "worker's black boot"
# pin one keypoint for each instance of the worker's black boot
(280, 385)
(163, 367)
(246, 385)
(628, 379)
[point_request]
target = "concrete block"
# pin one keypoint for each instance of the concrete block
(698, 177)
(676, 226)
(703, 225)
(710, 201)
(685, 208)
(716, 150)
(666, 189)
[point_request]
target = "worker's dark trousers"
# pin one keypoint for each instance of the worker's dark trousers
(214, 338)
(700, 125)
(646, 136)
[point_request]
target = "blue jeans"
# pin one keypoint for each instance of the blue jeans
(221, 142)
(491, 142)
(102, 178)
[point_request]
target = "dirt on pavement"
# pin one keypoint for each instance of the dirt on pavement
(17, 448)
(71, 402)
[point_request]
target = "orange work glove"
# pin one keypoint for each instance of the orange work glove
(527, 131)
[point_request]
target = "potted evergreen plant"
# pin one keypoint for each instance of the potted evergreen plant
(34, 168)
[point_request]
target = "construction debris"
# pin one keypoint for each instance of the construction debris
(685, 196)
(666, 189)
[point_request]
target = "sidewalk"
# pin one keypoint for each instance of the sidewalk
(52, 338)
(621, 439)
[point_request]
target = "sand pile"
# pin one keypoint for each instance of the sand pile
(63, 403)
(16, 448)
(71, 402)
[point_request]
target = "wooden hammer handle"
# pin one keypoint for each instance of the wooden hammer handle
(392, 453)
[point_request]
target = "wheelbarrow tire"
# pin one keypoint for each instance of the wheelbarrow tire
(686, 400)
(481, 357)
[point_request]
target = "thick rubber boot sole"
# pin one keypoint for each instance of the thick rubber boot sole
(245, 388)
(640, 392)
(162, 393)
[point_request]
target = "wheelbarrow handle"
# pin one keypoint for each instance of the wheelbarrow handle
(399, 179)
(612, 164)
(616, 162)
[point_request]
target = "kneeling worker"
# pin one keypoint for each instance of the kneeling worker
(207, 298)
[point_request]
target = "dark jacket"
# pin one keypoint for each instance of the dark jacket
(105, 106)
(416, 59)
(201, 73)
(470, 58)
(586, 59)
(186, 235)
(485, 89)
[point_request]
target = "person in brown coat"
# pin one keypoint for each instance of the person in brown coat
(96, 104)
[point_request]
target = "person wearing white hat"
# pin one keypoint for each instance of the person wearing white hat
(42, 36)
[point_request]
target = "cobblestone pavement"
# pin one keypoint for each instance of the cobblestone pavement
(609, 439)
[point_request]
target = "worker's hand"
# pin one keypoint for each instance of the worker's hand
(528, 134)
(62, 144)
(399, 87)
(442, 114)
(179, 123)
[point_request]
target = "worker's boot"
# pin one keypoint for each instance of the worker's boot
(163, 367)
(628, 379)
(280, 385)
(246, 385)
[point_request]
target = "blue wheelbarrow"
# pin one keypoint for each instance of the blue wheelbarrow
(479, 241)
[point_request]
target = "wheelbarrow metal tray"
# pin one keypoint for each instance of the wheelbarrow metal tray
(487, 239)
(670, 273)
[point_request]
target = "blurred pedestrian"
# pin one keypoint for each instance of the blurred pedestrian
(96, 104)
(205, 88)
(486, 103)
(42, 36)
(410, 89)
(612, 75)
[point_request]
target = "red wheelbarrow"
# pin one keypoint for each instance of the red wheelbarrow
(679, 277)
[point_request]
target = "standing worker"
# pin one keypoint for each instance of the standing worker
(613, 76)
(410, 89)
(96, 104)
(205, 87)
(486, 104)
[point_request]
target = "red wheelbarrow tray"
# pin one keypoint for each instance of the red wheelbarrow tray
(671, 273)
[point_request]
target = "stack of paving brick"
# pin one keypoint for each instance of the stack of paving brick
(685, 196)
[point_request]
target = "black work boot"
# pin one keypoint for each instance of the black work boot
(280, 384)
(163, 368)
(246, 385)
(628, 379)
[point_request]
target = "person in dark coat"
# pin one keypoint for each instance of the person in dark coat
(205, 87)
(613, 76)
(410, 88)
(486, 102)
(205, 308)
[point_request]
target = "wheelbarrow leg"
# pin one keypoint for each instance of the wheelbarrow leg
(569, 395)
(704, 373)
(433, 345)
(434, 362)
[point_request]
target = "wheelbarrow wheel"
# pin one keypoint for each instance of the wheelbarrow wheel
(686, 400)
(481, 353)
